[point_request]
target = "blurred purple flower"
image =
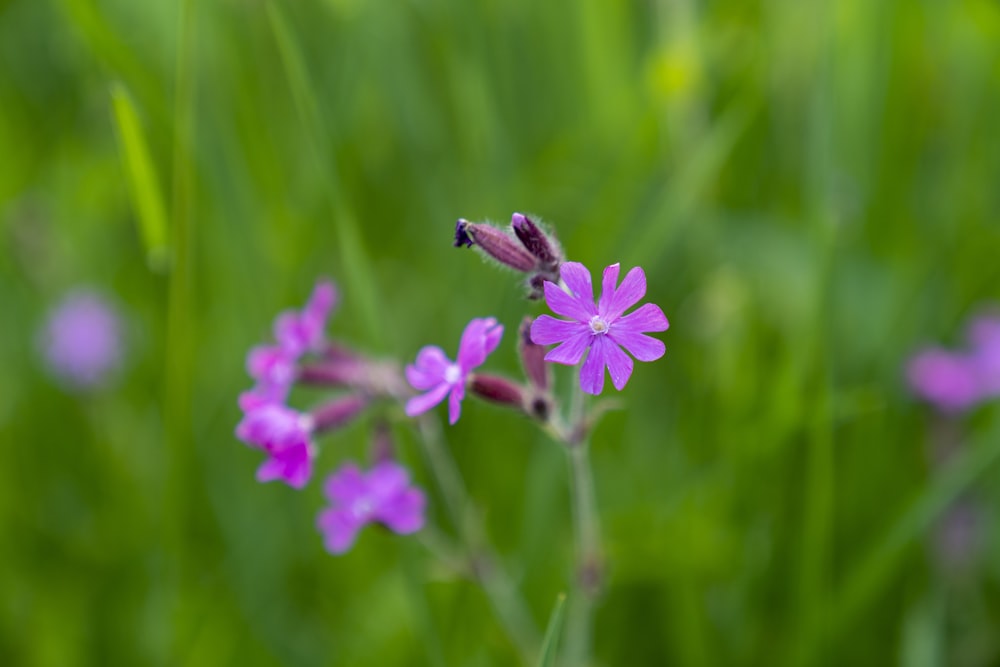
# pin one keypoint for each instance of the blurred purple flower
(434, 373)
(949, 380)
(984, 337)
(383, 495)
(285, 436)
(960, 535)
(600, 327)
(82, 339)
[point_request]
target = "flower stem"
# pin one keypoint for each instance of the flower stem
(482, 561)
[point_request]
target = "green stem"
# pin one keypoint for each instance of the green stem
(483, 562)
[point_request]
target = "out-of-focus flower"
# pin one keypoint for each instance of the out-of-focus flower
(285, 436)
(949, 380)
(82, 339)
(383, 495)
(984, 337)
(437, 375)
(600, 327)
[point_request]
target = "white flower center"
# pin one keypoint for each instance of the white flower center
(361, 508)
(598, 325)
(452, 374)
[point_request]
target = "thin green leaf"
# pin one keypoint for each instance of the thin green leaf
(144, 188)
(551, 641)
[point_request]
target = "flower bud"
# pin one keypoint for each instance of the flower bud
(382, 447)
(338, 412)
(535, 240)
(496, 243)
(539, 372)
(498, 390)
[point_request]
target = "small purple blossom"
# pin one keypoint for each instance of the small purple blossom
(82, 339)
(984, 338)
(383, 495)
(274, 367)
(599, 327)
(437, 375)
(285, 436)
(947, 379)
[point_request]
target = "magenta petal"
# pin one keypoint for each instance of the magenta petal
(632, 289)
(404, 513)
(647, 317)
(493, 336)
(421, 404)
(345, 485)
(386, 479)
(592, 371)
(608, 284)
(619, 364)
(455, 403)
(640, 346)
(429, 369)
(340, 529)
(481, 336)
(547, 330)
(577, 278)
(569, 352)
(563, 304)
(292, 466)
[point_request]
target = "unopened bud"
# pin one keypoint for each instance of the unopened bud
(338, 412)
(382, 446)
(535, 240)
(498, 390)
(342, 371)
(537, 370)
(495, 243)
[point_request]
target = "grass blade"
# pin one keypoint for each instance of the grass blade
(551, 641)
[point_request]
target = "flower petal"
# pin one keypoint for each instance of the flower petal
(455, 403)
(577, 278)
(345, 485)
(619, 364)
(340, 528)
(647, 317)
(404, 513)
(640, 346)
(480, 338)
(429, 369)
(566, 305)
(569, 352)
(418, 405)
(608, 284)
(632, 289)
(592, 371)
(547, 330)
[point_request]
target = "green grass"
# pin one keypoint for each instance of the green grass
(810, 187)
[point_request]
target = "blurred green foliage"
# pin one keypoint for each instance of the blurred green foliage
(812, 188)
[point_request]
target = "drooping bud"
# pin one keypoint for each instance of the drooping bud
(539, 372)
(338, 412)
(535, 240)
(496, 243)
(498, 390)
(382, 448)
(343, 371)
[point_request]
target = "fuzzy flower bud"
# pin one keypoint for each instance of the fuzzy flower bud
(496, 243)
(498, 390)
(338, 412)
(533, 359)
(535, 240)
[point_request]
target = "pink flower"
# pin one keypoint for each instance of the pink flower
(383, 495)
(601, 328)
(947, 379)
(984, 337)
(434, 373)
(285, 435)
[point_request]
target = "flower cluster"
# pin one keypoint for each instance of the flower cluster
(301, 354)
(958, 380)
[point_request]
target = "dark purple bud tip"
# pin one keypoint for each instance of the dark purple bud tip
(462, 235)
(534, 239)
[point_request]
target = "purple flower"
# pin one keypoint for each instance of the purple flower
(300, 332)
(600, 327)
(947, 379)
(383, 495)
(434, 373)
(984, 337)
(284, 434)
(81, 341)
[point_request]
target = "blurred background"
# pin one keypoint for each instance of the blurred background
(811, 187)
